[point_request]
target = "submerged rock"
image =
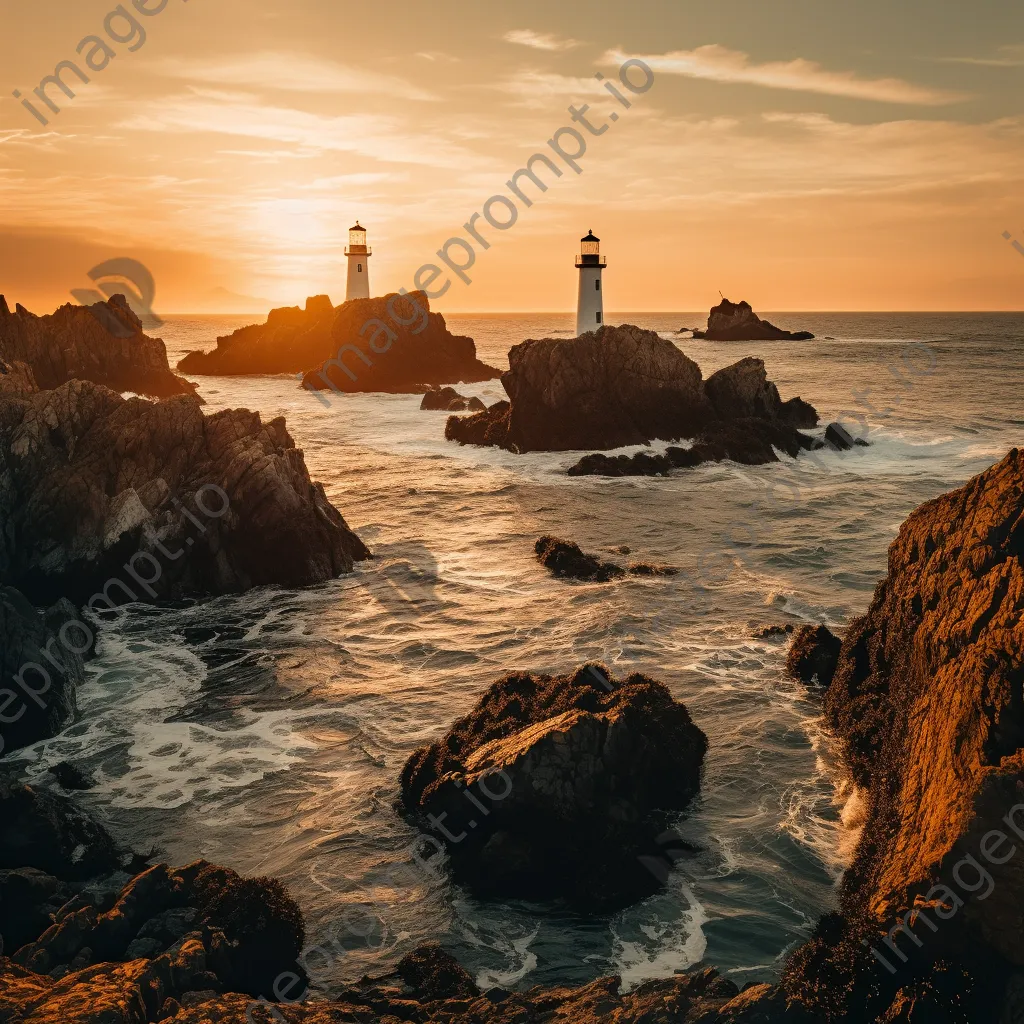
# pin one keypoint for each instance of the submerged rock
(70, 776)
(736, 321)
(137, 500)
(813, 655)
(750, 442)
(559, 786)
(103, 343)
(564, 558)
(449, 400)
(841, 439)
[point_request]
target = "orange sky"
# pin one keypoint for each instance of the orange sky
(801, 154)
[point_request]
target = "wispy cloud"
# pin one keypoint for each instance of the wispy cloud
(377, 136)
(539, 40)
(719, 64)
(294, 72)
(1006, 57)
(534, 88)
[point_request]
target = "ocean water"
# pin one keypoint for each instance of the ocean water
(267, 731)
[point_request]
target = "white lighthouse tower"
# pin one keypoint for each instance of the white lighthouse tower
(358, 253)
(590, 305)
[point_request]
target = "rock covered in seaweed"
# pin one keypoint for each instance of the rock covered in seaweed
(574, 774)
(813, 655)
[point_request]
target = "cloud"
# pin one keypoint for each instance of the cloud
(539, 40)
(719, 64)
(540, 88)
(1008, 57)
(376, 136)
(294, 72)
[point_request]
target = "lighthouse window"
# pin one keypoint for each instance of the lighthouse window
(598, 317)
(597, 285)
(359, 267)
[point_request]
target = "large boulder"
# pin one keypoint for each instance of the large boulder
(605, 389)
(137, 500)
(39, 698)
(736, 321)
(620, 386)
(559, 786)
(103, 343)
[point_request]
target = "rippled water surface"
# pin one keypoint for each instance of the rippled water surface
(267, 731)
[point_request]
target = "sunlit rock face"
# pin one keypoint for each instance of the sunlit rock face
(927, 699)
(551, 786)
(103, 343)
(214, 504)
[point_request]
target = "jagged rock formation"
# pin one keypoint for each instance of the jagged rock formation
(927, 698)
(736, 321)
(573, 774)
(390, 343)
(619, 386)
(102, 343)
(215, 504)
(38, 700)
(813, 655)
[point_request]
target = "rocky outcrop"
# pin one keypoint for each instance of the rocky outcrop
(392, 343)
(138, 500)
(927, 699)
(750, 442)
(813, 655)
(621, 386)
(736, 321)
(292, 340)
(559, 786)
(449, 400)
(39, 699)
(124, 994)
(102, 343)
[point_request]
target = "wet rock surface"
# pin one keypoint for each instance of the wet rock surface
(574, 773)
(37, 700)
(813, 655)
(449, 400)
(103, 343)
(215, 504)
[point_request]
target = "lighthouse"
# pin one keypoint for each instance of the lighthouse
(358, 253)
(590, 305)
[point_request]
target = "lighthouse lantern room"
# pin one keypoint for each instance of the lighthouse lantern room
(358, 253)
(590, 305)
